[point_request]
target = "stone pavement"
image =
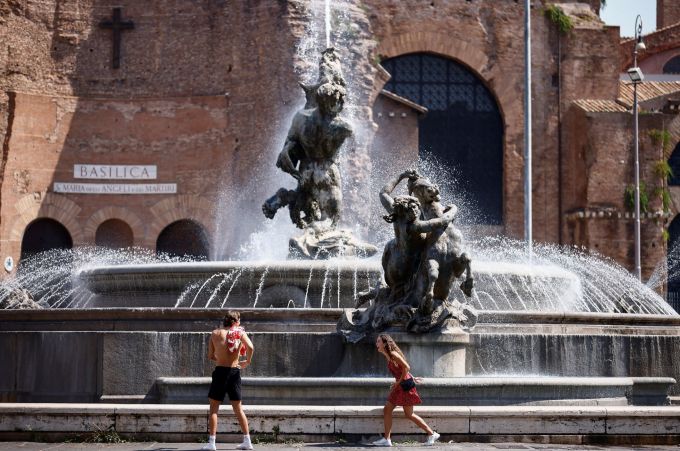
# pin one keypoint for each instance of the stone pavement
(156, 446)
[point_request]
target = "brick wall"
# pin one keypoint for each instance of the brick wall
(206, 91)
(667, 13)
(598, 166)
(209, 109)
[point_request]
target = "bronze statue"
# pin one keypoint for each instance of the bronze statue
(444, 259)
(419, 265)
(310, 156)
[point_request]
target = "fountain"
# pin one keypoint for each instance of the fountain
(566, 329)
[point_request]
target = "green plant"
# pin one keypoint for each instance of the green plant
(665, 196)
(661, 137)
(264, 439)
(559, 18)
(663, 170)
(629, 197)
(110, 436)
(665, 235)
(99, 435)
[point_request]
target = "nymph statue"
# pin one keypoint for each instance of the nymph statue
(419, 266)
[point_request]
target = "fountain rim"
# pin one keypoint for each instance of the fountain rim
(491, 317)
(208, 267)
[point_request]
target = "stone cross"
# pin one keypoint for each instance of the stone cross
(117, 25)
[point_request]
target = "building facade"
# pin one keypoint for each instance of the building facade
(157, 123)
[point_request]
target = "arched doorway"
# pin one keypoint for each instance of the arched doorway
(114, 234)
(673, 263)
(184, 238)
(463, 127)
(43, 235)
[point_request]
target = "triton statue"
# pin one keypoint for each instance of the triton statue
(310, 156)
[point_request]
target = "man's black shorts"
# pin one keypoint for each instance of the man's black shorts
(225, 381)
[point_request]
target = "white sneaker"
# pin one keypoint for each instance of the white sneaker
(245, 445)
(209, 447)
(383, 442)
(432, 438)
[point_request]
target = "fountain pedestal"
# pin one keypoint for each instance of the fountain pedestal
(430, 355)
(436, 355)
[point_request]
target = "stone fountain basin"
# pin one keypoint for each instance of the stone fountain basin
(453, 391)
(304, 283)
(117, 355)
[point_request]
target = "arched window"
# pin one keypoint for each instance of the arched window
(184, 238)
(672, 66)
(43, 235)
(463, 127)
(114, 234)
(674, 163)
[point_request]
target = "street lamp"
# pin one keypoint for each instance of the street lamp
(637, 77)
(527, 130)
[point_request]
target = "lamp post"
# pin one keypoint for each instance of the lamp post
(636, 77)
(527, 129)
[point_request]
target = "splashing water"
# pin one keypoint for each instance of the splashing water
(327, 21)
(50, 279)
(598, 284)
(562, 279)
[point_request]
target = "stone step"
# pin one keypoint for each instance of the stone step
(162, 421)
(610, 391)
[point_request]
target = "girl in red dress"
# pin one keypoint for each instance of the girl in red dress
(398, 366)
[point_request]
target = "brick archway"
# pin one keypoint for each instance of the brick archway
(50, 205)
(171, 209)
(466, 53)
(123, 214)
(502, 86)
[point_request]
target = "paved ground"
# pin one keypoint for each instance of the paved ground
(155, 446)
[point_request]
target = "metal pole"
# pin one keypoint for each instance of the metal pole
(527, 128)
(638, 267)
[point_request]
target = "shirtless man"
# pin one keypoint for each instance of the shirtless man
(226, 345)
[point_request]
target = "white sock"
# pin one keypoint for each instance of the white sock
(211, 438)
(246, 438)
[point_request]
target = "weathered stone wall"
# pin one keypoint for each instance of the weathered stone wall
(397, 135)
(204, 106)
(51, 134)
(485, 39)
(655, 63)
(662, 42)
(599, 165)
(590, 69)
(207, 91)
(667, 13)
(565, 68)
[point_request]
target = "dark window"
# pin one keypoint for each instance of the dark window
(674, 163)
(184, 238)
(43, 235)
(673, 262)
(463, 127)
(672, 66)
(114, 234)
